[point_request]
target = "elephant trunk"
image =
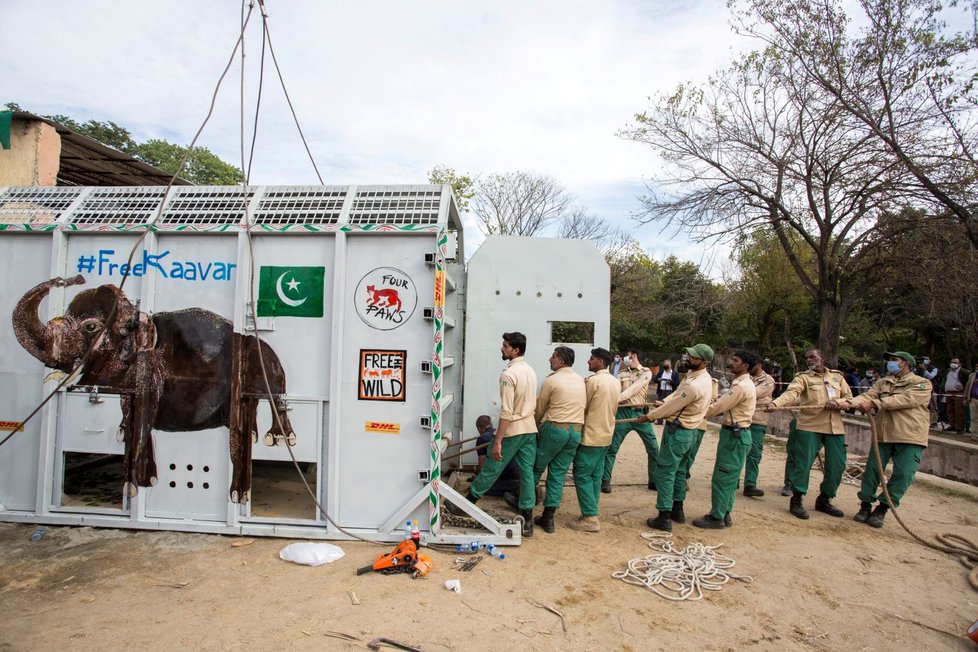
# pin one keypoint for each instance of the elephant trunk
(43, 341)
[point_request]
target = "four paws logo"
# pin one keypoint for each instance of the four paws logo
(385, 298)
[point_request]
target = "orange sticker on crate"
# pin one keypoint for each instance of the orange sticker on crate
(380, 426)
(440, 289)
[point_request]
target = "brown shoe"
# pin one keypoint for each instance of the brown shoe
(585, 524)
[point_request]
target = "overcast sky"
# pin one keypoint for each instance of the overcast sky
(384, 90)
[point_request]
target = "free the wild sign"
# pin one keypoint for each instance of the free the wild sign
(382, 375)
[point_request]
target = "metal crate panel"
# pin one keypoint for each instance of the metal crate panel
(35, 205)
(396, 205)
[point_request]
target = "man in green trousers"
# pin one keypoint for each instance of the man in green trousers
(902, 420)
(560, 417)
(763, 388)
(516, 435)
(635, 381)
(602, 391)
(737, 408)
(684, 410)
(818, 426)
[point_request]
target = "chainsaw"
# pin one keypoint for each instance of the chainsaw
(404, 558)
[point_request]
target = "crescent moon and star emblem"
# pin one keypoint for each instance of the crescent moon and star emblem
(293, 287)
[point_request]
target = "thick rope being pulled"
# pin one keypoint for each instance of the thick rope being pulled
(682, 574)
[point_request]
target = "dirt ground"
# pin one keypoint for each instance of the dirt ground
(821, 584)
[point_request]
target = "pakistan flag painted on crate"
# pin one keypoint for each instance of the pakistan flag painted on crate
(291, 291)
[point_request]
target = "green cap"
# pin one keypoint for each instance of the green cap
(701, 351)
(901, 354)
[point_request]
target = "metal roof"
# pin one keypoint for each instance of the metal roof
(87, 162)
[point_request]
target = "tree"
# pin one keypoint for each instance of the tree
(462, 184)
(579, 224)
(518, 203)
(759, 148)
(764, 296)
(907, 80)
(203, 166)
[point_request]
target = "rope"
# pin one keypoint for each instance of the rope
(680, 574)
(962, 549)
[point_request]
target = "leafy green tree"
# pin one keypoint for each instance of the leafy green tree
(203, 166)
(462, 184)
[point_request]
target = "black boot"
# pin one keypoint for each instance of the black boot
(527, 515)
(876, 518)
(753, 492)
(727, 520)
(709, 522)
(677, 514)
(458, 511)
(512, 500)
(661, 522)
(824, 504)
(796, 508)
(606, 487)
(863, 514)
(652, 485)
(546, 520)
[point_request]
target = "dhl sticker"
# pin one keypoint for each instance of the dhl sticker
(380, 426)
(11, 426)
(440, 289)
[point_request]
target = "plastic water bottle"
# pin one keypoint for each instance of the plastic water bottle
(37, 534)
(495, 552)
(408, 528)
(475, 546)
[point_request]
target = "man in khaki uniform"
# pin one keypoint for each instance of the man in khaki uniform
(764, 389)
(902, 418)
(602, 391)
(516, 435)
(694, 446)
(685, 409)
(560, 415)
(634, 389)
(737, 408)
(818, 427)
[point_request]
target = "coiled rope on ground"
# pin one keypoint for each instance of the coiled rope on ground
(680, 574)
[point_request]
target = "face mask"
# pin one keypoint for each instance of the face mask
(627, 359)
(617, 358)
(926, 361)
(954, 365)
(869, 374)
(892, 366)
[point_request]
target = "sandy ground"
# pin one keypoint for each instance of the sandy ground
(822, 584)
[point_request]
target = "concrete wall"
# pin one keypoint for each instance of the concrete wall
(943, 457)
(34, 156)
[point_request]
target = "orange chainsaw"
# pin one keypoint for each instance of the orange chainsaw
(404, 558)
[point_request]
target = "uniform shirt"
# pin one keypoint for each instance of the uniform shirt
(602, 391)
(518, 396)
(562, 397)
(634, 386)
(689, 401)
(737, 406)
(764, 388)
(811, 389)
(902, 415)
(714, 393)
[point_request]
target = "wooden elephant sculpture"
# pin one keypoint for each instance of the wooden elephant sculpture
(178, 371)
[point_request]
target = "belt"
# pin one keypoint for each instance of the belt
(636, 408)
(730, 428)
(566, 426)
